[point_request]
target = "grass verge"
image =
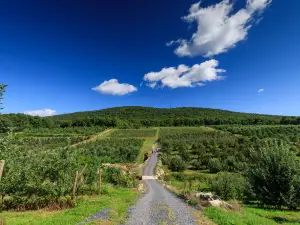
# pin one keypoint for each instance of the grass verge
(252, 216)
(147, 147)
(117, 199)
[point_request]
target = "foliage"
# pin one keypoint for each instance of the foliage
(229, 186)
(137, 117)
(2, 90)
(185, 116)
(177, 164)
(214, 165)
(275, 176)
(133, 133)
(39, 171)
(62, 132)
(205, 148)
(4, 125)
(114, 175)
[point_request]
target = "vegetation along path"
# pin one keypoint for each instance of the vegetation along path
(159, 206)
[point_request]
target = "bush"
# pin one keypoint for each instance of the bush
(274, 178)
(177, 164)
(115, 176)
(34, 202)
(229, 186)
(165, 158)
(179, 176)
(4, 125)
(214, 165)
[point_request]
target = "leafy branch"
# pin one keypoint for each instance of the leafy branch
(2, 90)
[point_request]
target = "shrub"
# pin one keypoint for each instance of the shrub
(34, 202)
(4, 125)
(165, 158)
(177, 164)
(214, 165)
(179, 176)
(229, 186)
(115, 176)
(274, 178)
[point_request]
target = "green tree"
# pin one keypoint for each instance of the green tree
(177, 164)
(274, 178)
(229, 186)
(214, 165)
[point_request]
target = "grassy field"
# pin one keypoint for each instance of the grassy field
(117, 199)
(186, 129)
(133, 133)
(252, 216)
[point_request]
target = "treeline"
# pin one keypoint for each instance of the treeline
(136, 117)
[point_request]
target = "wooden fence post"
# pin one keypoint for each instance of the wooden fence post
(99, 180)
(75, 185)
(2, 162)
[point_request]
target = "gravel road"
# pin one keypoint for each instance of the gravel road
(159, 206)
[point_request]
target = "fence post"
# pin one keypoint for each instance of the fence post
(2, 162)
(100, 181)
(75, 185)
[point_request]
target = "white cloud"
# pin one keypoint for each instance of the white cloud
(41, 112)
(218, 29)
(184, 76)
(113, 87)
(260, 90)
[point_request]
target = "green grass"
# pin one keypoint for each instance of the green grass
(117, 199)
(187, 129)
(252, 216)
(133, 133)
(147, 147)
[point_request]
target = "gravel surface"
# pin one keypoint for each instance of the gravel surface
(159, 206)
(101, 215)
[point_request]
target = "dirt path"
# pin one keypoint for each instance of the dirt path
(94, 137)
(159, 206)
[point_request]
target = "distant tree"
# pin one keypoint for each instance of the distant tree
(214, 165)
(183, 152)
(177, 164)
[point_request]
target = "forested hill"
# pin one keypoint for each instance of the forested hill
(140, 112)
(185, 116)
(137, 116)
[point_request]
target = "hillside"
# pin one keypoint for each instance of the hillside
(138, 116)
(183, 115)
(140, 112)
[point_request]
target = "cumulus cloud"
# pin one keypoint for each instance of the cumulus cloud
(113, 87)
(260, 90)
(218, 29)
(184, 76)
(41, 112)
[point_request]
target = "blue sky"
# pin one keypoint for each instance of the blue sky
(68, 56)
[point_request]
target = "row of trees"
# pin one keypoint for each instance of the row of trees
(136, 117)
(264, 170)
(40, 172)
